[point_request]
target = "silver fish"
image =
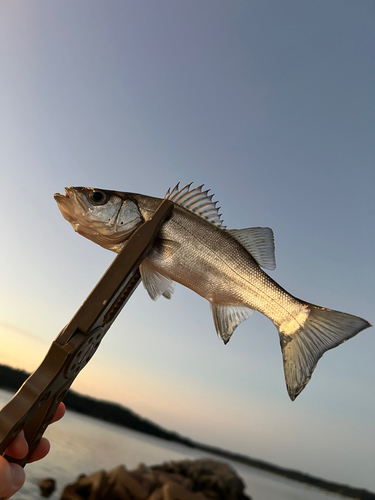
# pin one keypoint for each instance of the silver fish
(194, 249)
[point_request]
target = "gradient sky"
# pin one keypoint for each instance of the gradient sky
(269, 103)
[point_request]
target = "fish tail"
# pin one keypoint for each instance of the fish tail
(321, 330)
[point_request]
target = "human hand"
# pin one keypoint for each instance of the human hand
(12, 476)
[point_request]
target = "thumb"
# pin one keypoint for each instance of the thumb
(12, 477)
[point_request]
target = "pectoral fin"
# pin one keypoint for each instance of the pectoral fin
(155, 283)
(227, 318)
(164, 250)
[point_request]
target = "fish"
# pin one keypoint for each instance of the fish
(224, 266)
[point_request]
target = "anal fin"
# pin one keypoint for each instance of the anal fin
(227, 318)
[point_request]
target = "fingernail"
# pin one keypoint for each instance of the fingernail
(18, 475)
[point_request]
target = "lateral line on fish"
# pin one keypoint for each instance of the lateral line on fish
(235, 272)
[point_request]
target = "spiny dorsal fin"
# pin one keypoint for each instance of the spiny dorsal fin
(197, 201)
(259, 242)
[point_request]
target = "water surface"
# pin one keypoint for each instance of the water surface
(81, 444)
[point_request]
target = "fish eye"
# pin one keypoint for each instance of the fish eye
(97, 197)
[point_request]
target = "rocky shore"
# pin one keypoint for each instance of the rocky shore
(184, 480)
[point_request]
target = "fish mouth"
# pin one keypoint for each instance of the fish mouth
(70, 199)
(66, 195)
(66, 204)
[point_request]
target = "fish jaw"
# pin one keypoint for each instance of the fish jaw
(108, 223)
(65, 204)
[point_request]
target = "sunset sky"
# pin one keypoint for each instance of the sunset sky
(269, 103)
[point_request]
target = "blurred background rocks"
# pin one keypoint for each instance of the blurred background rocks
(203, 479)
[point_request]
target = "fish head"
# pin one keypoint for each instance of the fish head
(106, 217)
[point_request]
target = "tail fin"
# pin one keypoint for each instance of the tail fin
(322, 330)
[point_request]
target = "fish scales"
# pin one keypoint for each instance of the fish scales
(213, 264)
(224, 266)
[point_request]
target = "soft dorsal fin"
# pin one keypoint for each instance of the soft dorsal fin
(227, 318)
(197, 201)
(259, 242)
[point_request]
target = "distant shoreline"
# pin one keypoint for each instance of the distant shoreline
(12, 379)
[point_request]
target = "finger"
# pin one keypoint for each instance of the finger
(44, 445)
(40, 451)
(12, 478)
(18, 448)
(60, 412)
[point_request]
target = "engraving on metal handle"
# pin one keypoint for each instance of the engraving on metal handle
(115, 309)
(87, 346)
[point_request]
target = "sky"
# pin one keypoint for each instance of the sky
(270, 104)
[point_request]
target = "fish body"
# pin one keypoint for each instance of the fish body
(193, 248)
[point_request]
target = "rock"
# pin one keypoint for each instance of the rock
(216, 480)
(157, 494)
(185, 480)
(121, 476)
(164, 477)
(87, 487)
(70, 493)
(174, 491)
(47, 487)
(146, 478)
